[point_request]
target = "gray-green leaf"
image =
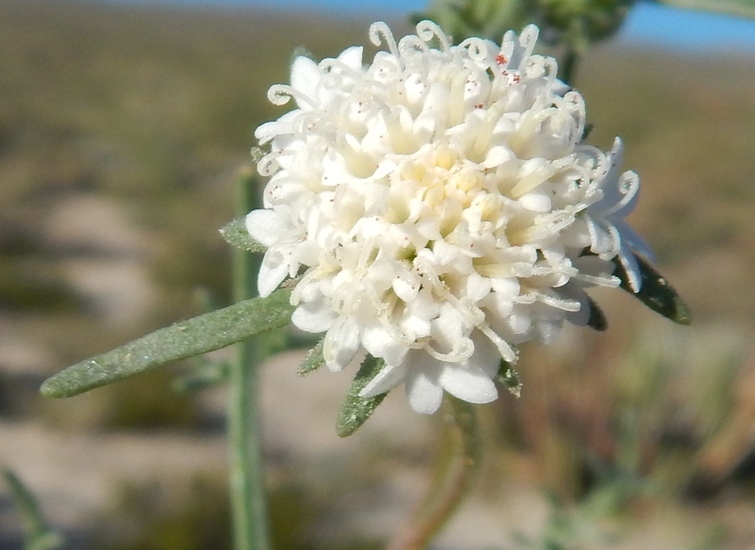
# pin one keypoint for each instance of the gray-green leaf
(201, 334)
(235, 234)
(355, 410)
(655, 291)
(314, 359)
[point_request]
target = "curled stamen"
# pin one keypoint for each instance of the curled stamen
(615, 239)
(504, 58)
(280, 94)
(427, 30)
(412, 43)
(558, 303)
(594, 162)
(477, 50)
(384, 69)
(268, 165)
(328, 65)
(380, 32)
(526, 45)
(332, 80)
(393, 328)
(541, 67)
(472, 314)
(506, 351)
(462, 350)
(309, 122)
(628, 185)
(610, 281)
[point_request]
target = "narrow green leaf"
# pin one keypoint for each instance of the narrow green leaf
(355, 410)
(740, 8)
(314, 359)
(597, 320)
(38, 535)
(235, 234)
(655, 292)
(207, 332)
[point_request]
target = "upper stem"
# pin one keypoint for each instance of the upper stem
(246, 475)
(451, 486)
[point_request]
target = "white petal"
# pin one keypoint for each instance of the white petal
(486, 355)
(406, 287)
(604, 238)
(305, 77)
(341, 343)
(272, 272)
(379, 343)
(315, 316)
(468, 383)
(352, 57)
(447, 328)
(423, 389)
(269, 130)
(519, 320)
(266, 226)
(497, 155)
(536, 201)
(477, 287)
(388, 378)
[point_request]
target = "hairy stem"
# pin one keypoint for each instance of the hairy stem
(450, 487)
(246, 474)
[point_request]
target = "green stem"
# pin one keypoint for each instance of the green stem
(450, 487)
(38, 535)
(246, 474)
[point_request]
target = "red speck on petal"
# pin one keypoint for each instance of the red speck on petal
(500, 59)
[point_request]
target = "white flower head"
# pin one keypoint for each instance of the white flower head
(440, 206)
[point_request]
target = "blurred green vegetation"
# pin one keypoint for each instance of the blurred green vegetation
(151, 112)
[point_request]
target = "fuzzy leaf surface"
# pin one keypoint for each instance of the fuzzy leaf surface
(355, 410)
(195, 336)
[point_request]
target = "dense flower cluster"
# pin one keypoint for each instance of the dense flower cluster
(440, 206)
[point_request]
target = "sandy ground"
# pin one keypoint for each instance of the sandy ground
(76, 476)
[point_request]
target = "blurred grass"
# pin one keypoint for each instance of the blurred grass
(153, 110)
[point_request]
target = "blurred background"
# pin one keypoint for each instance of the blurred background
(123, 126)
